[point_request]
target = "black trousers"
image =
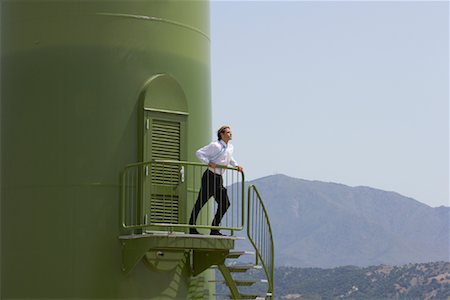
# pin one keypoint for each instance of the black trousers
(212, 186)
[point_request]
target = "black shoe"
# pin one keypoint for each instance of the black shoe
(193, 231)
(216, 232)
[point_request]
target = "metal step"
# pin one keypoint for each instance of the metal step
(250, 296)
(237, 254)
(242, 296)
(239, 282)
(242, 268)
(245, 282)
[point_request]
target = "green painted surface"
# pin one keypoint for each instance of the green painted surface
(163, 93)
(134, 249)
(72, 75)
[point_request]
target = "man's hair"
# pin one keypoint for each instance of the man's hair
(221, 130)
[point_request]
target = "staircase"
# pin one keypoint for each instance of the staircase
(259, 234)
(233, 277)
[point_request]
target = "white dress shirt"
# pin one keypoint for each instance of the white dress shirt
(209, 154)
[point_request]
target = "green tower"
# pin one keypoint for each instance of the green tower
(103, 104)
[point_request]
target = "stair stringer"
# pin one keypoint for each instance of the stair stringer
(230, 281)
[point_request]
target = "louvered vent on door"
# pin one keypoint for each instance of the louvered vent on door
(164, 209)
(165, 141)
(165, 146)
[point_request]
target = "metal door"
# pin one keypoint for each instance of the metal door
(164, 188)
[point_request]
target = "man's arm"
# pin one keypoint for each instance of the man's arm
(234, 163)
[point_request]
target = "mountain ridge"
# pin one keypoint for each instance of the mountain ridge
(323, 224)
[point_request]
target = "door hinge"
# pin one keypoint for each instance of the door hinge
(146, 170)
(147, 124)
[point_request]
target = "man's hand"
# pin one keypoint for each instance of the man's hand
(212, 165)
(239, 168)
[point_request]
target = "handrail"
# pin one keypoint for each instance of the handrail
(259, 233)
(159, 193)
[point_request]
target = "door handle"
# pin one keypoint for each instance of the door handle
(182, 174)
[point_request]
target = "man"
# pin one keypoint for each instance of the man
(219, 152)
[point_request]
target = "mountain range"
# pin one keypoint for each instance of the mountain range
(326, 225)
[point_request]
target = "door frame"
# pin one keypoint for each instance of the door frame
(161, 98)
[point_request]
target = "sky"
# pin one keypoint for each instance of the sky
(351, 92)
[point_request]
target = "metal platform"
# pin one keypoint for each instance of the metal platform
(178, 235)
(136, 246)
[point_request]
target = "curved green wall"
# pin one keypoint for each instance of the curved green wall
(72, 75)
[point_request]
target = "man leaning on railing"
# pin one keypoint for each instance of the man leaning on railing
(215, 154)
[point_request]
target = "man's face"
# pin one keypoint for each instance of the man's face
(226, 135)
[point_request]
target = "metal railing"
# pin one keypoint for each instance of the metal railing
(160, 195)
(260, 235)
